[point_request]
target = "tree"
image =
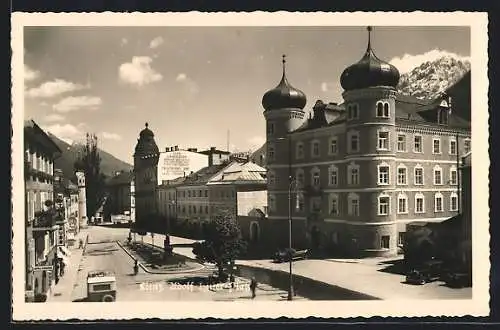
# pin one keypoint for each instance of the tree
(89, 162)
(223, 242)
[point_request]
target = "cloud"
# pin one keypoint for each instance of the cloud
(156, 42)
(53, 117)
(66, 132)
(111, 136)
(256, 142)
(181, 77)
(123, 42)
(53, 88)
(30, 74)
(408, 62)
(138, 72)
(74, 103)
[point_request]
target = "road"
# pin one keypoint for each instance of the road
(103, 253)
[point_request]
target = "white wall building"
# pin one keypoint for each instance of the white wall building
(175, 163)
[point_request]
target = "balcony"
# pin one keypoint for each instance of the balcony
(312, 190)
(45, 221)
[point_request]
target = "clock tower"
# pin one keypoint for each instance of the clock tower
(146, 156)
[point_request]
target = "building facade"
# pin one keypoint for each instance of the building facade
(41, 226)
(118, 189)
(146, 156)
(360, 171)
(174, 163)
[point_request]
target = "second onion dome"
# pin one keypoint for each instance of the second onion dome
(370, 71)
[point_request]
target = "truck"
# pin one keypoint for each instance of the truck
(101, 286)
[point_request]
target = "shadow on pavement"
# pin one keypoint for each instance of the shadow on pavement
(397, 267)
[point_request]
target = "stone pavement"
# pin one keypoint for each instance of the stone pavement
(62, 291)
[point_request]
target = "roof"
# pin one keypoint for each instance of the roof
(240, 173)
(204, 175)
(33, 133)
(214, 151)
(174, 182)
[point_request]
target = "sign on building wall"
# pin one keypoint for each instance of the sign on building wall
(175, 164)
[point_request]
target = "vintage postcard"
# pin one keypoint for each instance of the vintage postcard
(248, 165)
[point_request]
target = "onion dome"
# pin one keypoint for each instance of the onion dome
(146, 146)
(370, 71)
(284, 95)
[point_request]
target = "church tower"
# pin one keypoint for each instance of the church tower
(146, 157)
(283, 111)
(370, 96)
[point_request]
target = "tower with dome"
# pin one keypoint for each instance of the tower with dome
(364, 171)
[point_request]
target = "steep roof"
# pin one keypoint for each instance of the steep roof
(203, 175)
(240, 173)
(33, 133)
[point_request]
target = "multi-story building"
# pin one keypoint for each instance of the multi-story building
(41, 227)
(174, 163)
(360, 171)
(215, 156)
(118, 188)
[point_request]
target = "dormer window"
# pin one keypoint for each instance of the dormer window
(383, 109)
(442, 118)
(352, 111)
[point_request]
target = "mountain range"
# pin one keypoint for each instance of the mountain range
(109, 163)
(433, 77)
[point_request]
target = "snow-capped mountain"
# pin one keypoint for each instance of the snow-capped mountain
(430, 78)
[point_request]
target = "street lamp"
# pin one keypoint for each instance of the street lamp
(291, 183)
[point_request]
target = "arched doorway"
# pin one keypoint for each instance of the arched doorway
(254, 232)
(44, 281)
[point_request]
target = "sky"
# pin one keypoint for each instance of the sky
(194, 84)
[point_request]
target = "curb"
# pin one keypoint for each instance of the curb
(144, 268)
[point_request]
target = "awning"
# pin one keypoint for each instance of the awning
(64, 250)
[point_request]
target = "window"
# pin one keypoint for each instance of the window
(402, 175)
(418, 144)
(453, 146)
(206, 193)
(453, 176)
(438, 202)
(453, 201)
(383, 141)
(270, 128)
(443, 116)
(352, 111)
(315, 149)
(419, 203)
(270, 152)
(271, 178)
(401, 238)
(467, 146)
(206, 209)
(353, 201)
(402, 204)
(333, 175)
(438, 175)
(189, 209)
(353, 174)
(300, 150)
(300, 177)
(353, 142)
(334, 204)
(315, 177)
(436, 146)
(300, 202)
(383, 205)
(316, 204)
(383, 109)
(401, 142)
(419, 175)
(272, 203)
(385, 242)
(189, 193)
(333, 146)
(383, 174)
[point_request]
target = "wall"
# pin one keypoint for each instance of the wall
(250, 200)
(175, 164)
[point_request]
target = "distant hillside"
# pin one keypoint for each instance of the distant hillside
(109, 163)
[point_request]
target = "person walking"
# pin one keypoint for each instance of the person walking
(253, 286)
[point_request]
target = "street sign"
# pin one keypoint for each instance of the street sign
(49, 268)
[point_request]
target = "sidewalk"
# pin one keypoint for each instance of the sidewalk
(62, 291)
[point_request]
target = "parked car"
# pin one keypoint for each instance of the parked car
(287, 254)
(101, 286)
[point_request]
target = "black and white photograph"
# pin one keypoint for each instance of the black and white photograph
(275, 164)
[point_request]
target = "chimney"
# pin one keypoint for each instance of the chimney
(212, 149)
(167, 149)
(176, 148)
(195, 149)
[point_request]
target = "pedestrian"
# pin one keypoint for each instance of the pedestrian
(62, 268)
(253, 286)
(81, 243)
